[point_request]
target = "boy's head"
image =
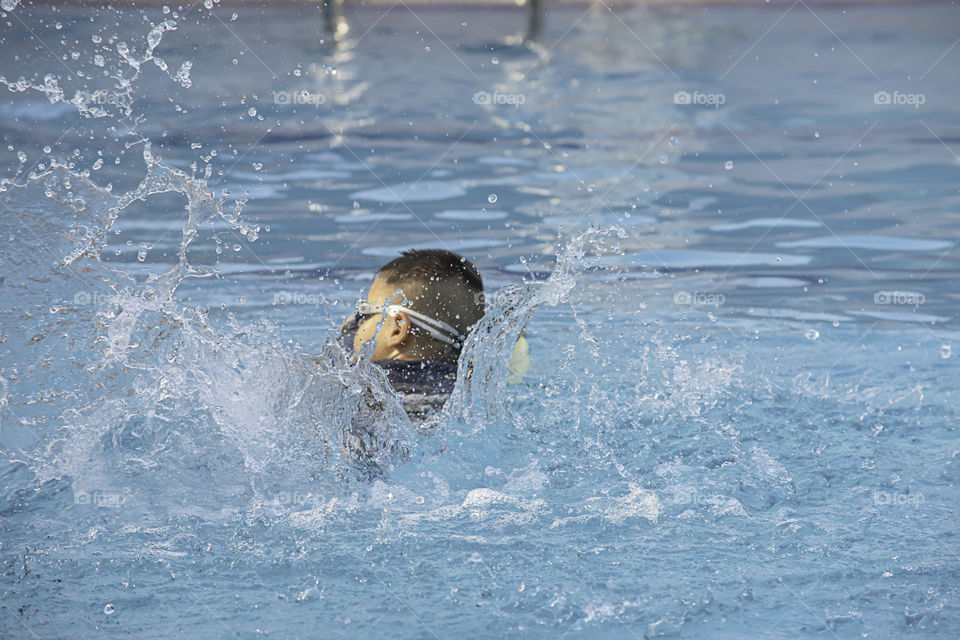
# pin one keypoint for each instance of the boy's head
(441, 293)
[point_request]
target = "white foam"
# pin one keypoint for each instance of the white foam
(639, 503)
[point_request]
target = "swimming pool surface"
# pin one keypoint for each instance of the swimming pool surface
(730, 233)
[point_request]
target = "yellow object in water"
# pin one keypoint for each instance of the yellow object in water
(519, 360)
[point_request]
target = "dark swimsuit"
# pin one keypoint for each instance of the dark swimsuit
(425, 384)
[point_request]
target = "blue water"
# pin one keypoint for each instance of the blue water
(735, 265)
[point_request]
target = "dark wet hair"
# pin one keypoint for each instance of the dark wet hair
(424, 265)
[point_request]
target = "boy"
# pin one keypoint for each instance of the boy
(417, 313)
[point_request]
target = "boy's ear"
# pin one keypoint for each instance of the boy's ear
(398, 330)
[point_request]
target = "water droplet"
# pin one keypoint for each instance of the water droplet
(22, 157)
(836, 323)
(816, 134)
(154, 37)
(208, 4)
(9, 5)
(234, 16)
(98, 164)
(779, 259)
(252, 112)
(663, 159)
(673, 141)
(297, 72)
(811, 334)
(96, 39)
(945, 351)
(141, 254)
(46, 149)
(728, 165)
(98, 60)
(109, 609)
(492, 198)
(495, 60)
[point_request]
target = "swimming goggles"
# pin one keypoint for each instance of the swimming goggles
(439, 330)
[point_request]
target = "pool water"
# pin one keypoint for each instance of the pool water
(728, 232)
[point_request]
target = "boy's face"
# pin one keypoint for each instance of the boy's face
(387, 345)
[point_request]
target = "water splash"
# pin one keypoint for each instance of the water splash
(111, 381)
(116, 384)
(486, 353)
(114, 100)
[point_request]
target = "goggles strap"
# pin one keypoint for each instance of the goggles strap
(439, 330)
